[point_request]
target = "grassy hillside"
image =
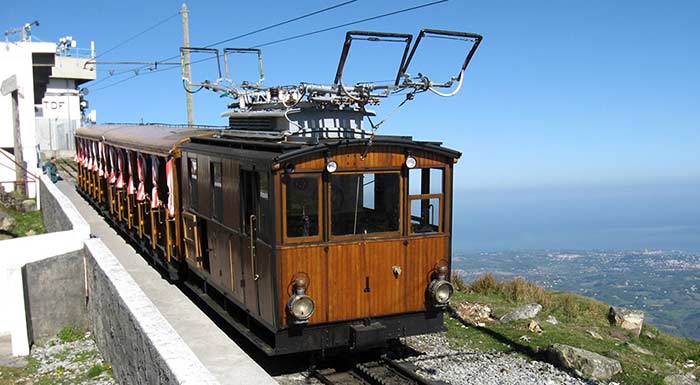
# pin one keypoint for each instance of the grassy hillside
(577, 316)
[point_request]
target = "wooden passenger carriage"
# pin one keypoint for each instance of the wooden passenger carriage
(251, 217)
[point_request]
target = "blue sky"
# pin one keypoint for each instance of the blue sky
(561, 96)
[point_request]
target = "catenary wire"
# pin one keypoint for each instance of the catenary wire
(296, 36)
(238, 37)
(154, 26)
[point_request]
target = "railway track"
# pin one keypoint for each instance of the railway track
(67, 169)
(384, 371)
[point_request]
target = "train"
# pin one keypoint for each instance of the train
(303, 229)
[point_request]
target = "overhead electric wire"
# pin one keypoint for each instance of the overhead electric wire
(239, 36)
(154, 26)
(281, 23)
(350, 23)
(291, 37)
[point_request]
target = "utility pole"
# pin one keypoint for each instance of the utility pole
(20, 174)
(185, 62)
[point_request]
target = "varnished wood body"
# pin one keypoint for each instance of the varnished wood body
(241, 249)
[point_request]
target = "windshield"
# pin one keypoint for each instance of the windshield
(365, 203)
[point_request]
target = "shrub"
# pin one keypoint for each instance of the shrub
(95, 371)
(485, 284)
(520, 290)
(569, 306)
(458, 282)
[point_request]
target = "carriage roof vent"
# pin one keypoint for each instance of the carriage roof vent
(251, 123)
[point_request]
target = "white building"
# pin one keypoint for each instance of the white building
(39, 95)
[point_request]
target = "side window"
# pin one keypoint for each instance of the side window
(425, 194)
(249, 191)
(264, 205)
(192, 171)
(217, 194)
(302, 206)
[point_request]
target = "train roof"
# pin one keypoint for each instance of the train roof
(162, 139)
(278, 151)
(150, 138)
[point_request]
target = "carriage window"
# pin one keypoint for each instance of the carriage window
(302, 206)
(192, 166)
(425, 215)
(217, 189)
(365, 203)
(425, 181)
(425, 188)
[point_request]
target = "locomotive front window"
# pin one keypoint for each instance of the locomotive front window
(365, 203)
(302, 213)
(425, 189)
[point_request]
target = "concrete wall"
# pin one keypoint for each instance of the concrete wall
(54, 293)
(131, 333)
(67, 231)
(58, 211)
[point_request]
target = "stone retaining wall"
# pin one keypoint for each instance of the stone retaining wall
(131, 333)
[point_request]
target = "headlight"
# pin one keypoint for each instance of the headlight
(410, 162)
(300, 307)
(441, 292)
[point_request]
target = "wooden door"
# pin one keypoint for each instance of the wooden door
(249, 223)
(191, 236)
(385, 265)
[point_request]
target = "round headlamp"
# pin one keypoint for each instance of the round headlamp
(301, 307)
(441, 291)
(410, 162)
(331, 166)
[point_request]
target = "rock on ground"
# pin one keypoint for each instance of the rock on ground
(6, 221)
(584, 363)
(680, 379)
(28, 205)
(523, 312)
(627, 319)
(638, 349)
(474, 313)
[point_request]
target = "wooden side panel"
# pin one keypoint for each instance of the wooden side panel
(379, 157)
(348, 275)
(219, 264)
(232, 194)
(263, 262)
(422, 257)
(312, 261)
(236, 266)
(203, 186)
(388, 290)
(184, 181)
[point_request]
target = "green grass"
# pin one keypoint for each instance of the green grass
(576, 315)
(32, 220)
(9, 376)
(70, 334)
(95, 371)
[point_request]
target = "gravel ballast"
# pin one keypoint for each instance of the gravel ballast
(470, 367)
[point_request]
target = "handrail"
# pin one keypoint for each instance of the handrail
(18, 165)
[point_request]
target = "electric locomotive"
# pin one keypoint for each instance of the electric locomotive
(300, 226)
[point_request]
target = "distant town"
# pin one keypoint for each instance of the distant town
(663, 283)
